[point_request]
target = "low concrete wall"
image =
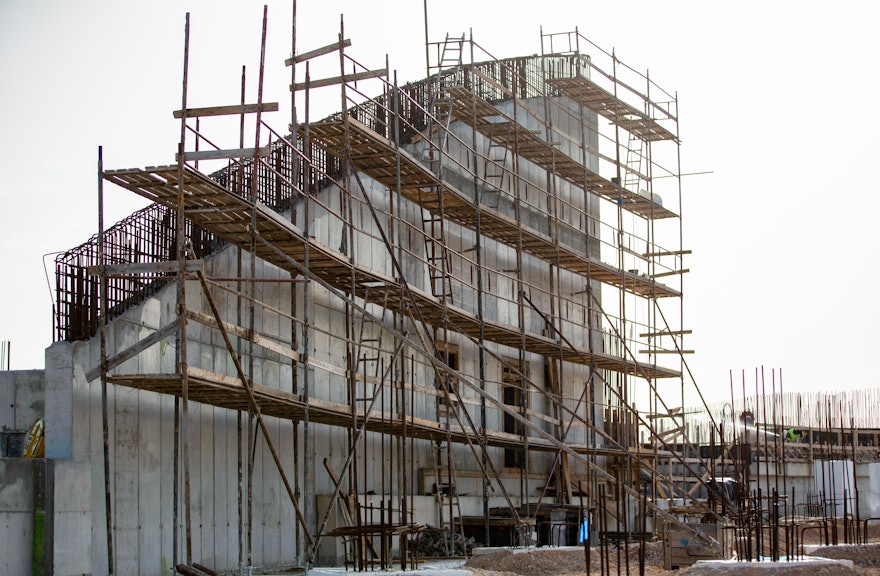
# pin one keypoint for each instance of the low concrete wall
(16, 515)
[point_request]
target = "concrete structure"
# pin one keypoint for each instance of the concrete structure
(439, 308)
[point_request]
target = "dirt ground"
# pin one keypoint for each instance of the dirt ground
(815, 535)
(554, 562)
(570, 562)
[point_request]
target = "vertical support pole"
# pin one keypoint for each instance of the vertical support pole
(309, 457)
(477, 199)
(427, 45)
(182, 366)
(254, 193)
(102, 319)
(347, 247)
(296, 172)
(398, 377)
(242, 552)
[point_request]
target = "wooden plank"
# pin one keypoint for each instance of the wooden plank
(665, 333)
(133, 350)
(494, 83)
(259, 339)
(672, 273)
(227, 110)
(667, 433)
(339, 79)
(221, 154)
(163, 267)
(666, 351)
(667, 253)
(317, 52)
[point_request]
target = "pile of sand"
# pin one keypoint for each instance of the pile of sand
(861, 555)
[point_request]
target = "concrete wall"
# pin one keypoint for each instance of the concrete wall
(21, 404)
(16, 515)
(21, 398)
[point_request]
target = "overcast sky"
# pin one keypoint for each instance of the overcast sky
(777, 100)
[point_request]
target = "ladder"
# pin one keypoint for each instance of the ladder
(369, 349)
(437, 253)
(636, 156)
(446, 494)
(496, 165)
(440, 106)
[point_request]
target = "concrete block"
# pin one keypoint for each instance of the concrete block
(22, 398)
(7, 401)
(72, 544)
(16, 485)
(207, 355)
(222, 361)
(59, 400)
(15, 549)
(270, 374)
(72, 486)
(125, 550)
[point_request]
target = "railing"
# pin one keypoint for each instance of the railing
(149, 235)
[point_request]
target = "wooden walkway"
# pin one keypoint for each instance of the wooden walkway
(228, 216)
(374, 155)
(503, 131)
(228, 392)
(606, 104)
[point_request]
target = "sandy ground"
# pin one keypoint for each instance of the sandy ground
(570, 561)
(558, 561)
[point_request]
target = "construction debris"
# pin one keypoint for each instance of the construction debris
(435, 543)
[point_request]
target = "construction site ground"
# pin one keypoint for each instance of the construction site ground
(569, 561)
(848, 560)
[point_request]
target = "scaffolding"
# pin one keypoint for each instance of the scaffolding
(479, 280)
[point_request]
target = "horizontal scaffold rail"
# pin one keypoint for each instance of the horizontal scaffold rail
(375, 156)
(223, 391)
(476, 112)
(228, 216)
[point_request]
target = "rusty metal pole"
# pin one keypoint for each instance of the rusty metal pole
(102, 319)
(308, 472)
(238, 321)
(182, 366)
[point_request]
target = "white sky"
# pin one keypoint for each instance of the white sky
(776, 98)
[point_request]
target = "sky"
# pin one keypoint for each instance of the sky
(776, 103)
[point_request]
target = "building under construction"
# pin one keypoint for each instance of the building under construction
(439, 318)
